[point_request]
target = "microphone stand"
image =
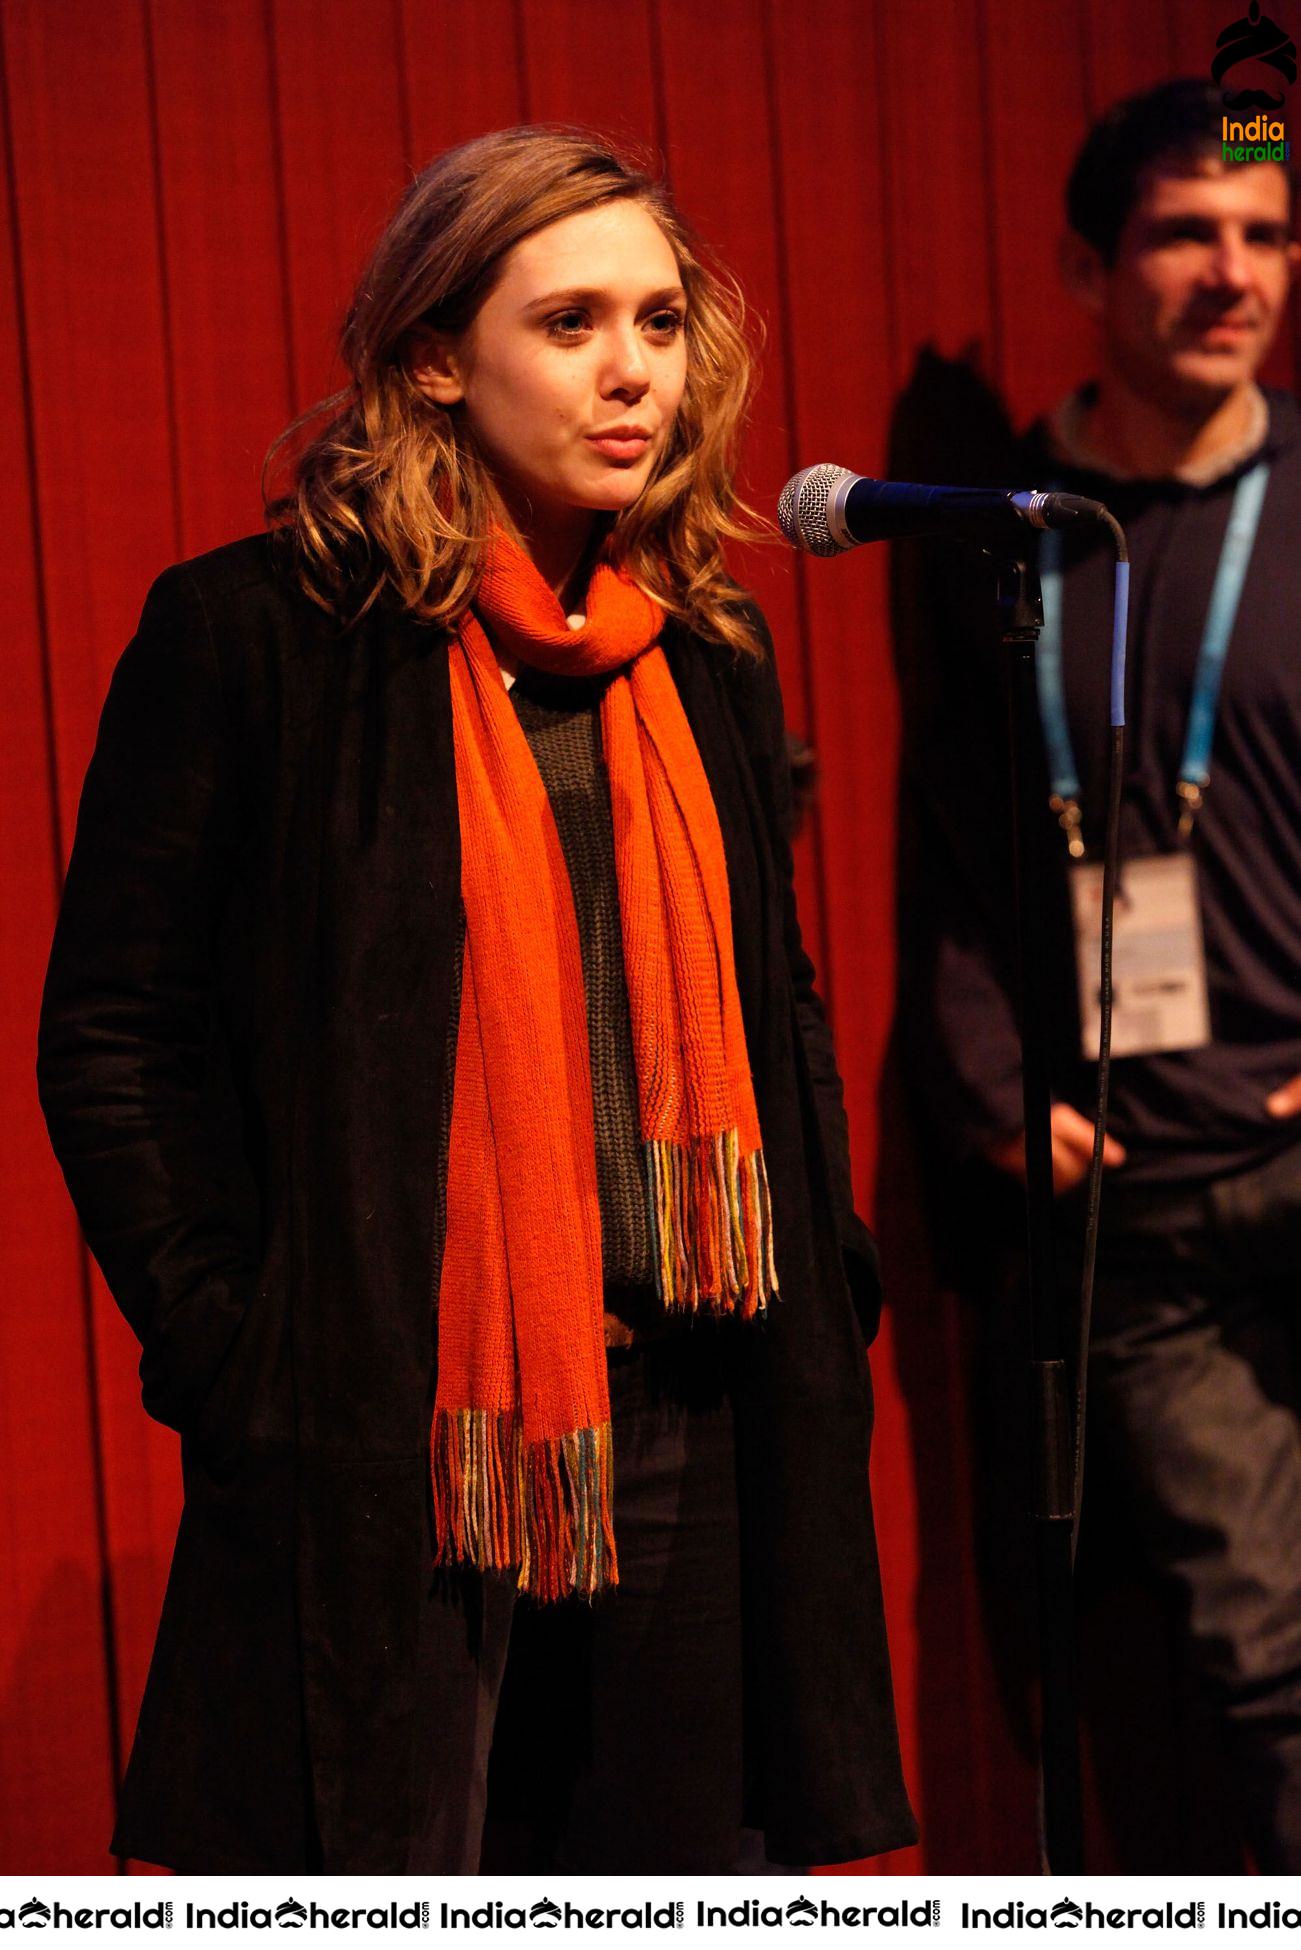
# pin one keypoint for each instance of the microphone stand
(1019, 611)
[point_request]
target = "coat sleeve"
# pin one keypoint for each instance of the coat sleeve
(957, 921)
(771, 761)
(956, 990)
(126, 1033)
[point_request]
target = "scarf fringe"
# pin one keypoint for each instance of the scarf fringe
(545, 1506)
(711, 1225)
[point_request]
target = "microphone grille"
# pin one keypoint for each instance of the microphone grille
(802, 510)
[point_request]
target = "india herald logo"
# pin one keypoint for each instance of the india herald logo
(1256, 40)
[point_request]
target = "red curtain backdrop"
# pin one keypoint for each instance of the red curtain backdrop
(190, 189)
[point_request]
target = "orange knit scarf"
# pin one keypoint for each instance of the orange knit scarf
(521, 1454)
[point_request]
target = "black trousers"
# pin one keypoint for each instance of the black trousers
(1195, 1402)
(1192, 1490)
(605, 1738)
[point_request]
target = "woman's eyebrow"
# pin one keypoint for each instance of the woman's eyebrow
(587, 295)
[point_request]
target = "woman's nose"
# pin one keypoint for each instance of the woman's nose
(627, 367)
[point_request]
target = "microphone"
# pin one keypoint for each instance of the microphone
(826, 510)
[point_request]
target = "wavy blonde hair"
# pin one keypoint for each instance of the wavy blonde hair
(392, 493)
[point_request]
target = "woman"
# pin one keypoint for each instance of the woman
(431, 1055)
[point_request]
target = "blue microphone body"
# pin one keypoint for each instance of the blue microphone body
(827, 509)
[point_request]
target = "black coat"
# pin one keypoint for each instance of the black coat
(242, 1051)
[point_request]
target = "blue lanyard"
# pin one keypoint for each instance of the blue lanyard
(1226, 594)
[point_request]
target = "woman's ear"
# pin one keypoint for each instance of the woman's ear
(435, 367)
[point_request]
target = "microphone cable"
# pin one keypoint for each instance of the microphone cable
(1110, 876)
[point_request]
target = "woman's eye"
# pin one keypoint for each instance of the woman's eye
(573, 324)
(567, 324)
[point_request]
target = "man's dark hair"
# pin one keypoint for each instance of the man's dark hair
(1179, 120)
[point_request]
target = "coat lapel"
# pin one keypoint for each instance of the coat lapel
(380, 987)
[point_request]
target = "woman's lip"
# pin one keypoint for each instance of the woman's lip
(627, 447)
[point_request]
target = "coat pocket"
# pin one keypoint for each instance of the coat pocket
(248, 1400)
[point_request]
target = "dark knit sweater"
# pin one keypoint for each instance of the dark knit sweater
(560, 718)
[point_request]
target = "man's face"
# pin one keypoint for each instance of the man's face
(1191, 304)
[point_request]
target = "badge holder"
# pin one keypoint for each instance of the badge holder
(1019, 612)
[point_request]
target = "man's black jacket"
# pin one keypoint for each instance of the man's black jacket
(1185, 1116)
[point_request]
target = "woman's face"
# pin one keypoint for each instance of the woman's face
(571, 373)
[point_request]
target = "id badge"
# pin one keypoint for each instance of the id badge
(1159, 999)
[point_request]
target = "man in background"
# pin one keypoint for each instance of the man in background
(1184, 263)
